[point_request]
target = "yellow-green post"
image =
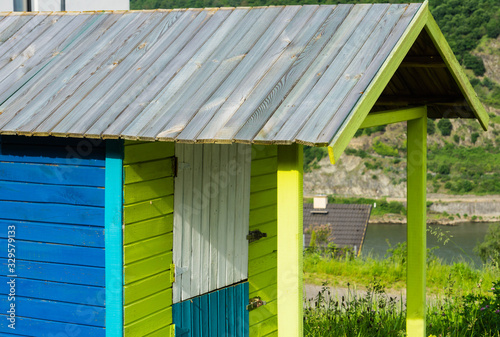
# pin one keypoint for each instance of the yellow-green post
(416, 231)
(290, 173)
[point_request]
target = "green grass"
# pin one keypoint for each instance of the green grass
(392, 270)
(377, 314)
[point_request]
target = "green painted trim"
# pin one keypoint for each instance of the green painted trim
(393, 116)
(113, 238)
(456, 71)
(378, 84)
(416, 229)
(290, 283)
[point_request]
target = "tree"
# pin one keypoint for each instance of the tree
(445, 126)
(489, 249)
(431, 127)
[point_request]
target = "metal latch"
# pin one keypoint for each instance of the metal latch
(255, 303)
(255, 235)
(176, 271)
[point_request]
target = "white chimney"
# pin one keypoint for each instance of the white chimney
(320, 202)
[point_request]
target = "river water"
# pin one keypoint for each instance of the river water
(463, 236)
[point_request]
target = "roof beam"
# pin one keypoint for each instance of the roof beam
(420, 100)
(393, 116)
(423, 62)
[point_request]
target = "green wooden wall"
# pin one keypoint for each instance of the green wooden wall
(148, 217)
(262, 255)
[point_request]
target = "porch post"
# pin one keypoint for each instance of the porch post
(290, 240)
(416, 229)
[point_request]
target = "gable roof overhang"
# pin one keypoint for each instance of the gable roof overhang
(267, 75)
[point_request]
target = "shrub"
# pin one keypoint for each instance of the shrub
(445, 126)
(456, 138)
(489, 249)
(431, 127)
(444, 169)
(474, 63)
(384, 149)
(474, 137)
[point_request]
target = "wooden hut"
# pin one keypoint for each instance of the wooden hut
(151, 161)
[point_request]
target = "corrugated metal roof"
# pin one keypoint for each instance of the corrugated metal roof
(347, 223)
(265, 75)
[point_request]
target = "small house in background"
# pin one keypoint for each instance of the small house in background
(151, 161)
(343, 225)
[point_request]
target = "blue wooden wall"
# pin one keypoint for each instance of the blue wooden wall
(52, 191)
(219, 313)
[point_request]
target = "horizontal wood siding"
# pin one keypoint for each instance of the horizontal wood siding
(211, 217)
(52, 192)
(262, 259)
(147, 237)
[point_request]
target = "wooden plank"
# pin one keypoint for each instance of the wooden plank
(146, 229)
(148, 209)
(230, 311)
(179, 70)
(263, 198)
(274, 62)
(264, 166)
(150, 170)
(178, 226)
(205, 219)
(50, 79)
(223, 213)
(264, 312)
(48, 252)
(263, 151)
(243, 72)
(142, 269)
(232, 224)
(270, 228)
(187, 220)
(289, 261)
(138, 290)
(166, 65)
(149, 324)
(263, 215)
(262, 264)
(215, 216)
(263, 280)
(53, 174)
(196, 317)
(205, 318)
(187, 319)
(119, 46)
(242, 212)
(359, 63)
(147, 306)
(51, 233)
(213, 308)
(196, 238)
(393, 116)
(58, 194)
(83, 155)
(377, 85)
(221, 313)
(339, 36)
(264, 327)
(416, 228)
(199, 88)
(57, 311)
(263, 182)
(167, 331)
(54, 291)
(149, 189)
(43, 328)
(269, 293)
(147, 248)
(82, 275)
(263, 247)
(246, 157)
(52, 213)
(148, 152)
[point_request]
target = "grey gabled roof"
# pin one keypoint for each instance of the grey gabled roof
(347, 222)
(263, 75)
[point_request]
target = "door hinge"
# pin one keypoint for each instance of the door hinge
(175, 271)
(255, 235)
(255, 302)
